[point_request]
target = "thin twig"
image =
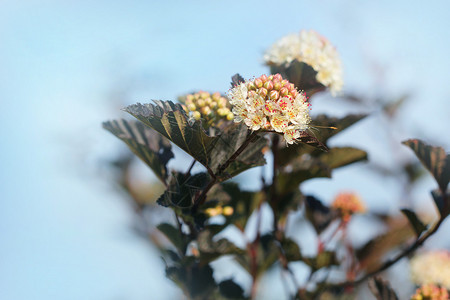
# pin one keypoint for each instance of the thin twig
(391, 262)
(188, 172)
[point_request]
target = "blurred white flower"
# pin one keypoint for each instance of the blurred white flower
(431, 267)
(312, 49)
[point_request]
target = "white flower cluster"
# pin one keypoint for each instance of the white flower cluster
(312, 49)
(431, 267)
(271, 103)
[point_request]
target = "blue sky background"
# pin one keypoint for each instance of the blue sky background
(66, 66)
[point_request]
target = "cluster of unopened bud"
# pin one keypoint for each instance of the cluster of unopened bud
(431, 292)
(272, 87)
(219, 210)
(347, 204)
(271, 103)
(207, 106)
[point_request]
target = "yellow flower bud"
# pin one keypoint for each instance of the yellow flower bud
(196, 115)
(228, 211)
(200, 103)
(191, 107)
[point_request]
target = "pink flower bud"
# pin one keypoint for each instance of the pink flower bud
(262, 92)
(258, 83)
(284, 91)
(294, 93)
(263, 78)
(216, 96)
(268, 85)
(251, 86)
(274, 94)
(277, 77)
(277, 85)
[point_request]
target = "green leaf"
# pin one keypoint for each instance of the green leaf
(303, 76)
(434, 159)
(286, 154)
(416, 224)
(381, 289)
(150, 147)
(173, 234)
(342, 156)
(231, 290)
(171, 121)
(182, 190)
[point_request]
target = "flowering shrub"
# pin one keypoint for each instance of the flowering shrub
(226, 136)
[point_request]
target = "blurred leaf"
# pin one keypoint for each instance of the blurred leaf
(416, 224)
(439, 201)
(322, 260)
(339, 157)
(291, 250)
(381, 289)
(210, 249)
(301, 170)
(318, 214)
(231, 290)
(194, 278)
(286, 154)
(173, 234)
(339, 123)
(392, 107)
(243, 203)
(371, 255)
(182, 190)
(434, 159)
(303, 76)
(149, 146)
(267, 254)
